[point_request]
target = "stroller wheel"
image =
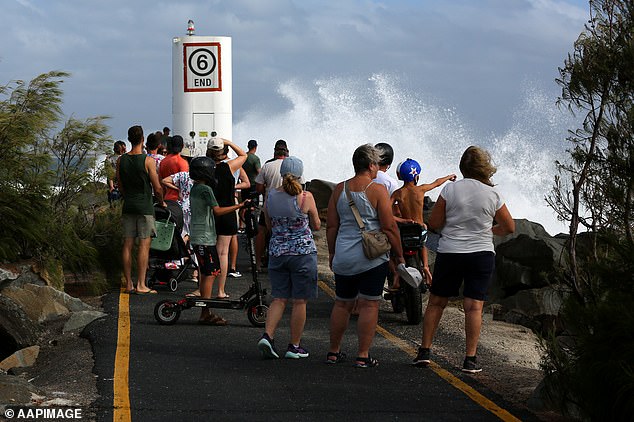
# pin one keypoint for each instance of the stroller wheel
(173, 284)
(167, 312)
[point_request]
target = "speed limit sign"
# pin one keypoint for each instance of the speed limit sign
(202, 69)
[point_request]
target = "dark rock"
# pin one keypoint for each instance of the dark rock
(321, 190)
(17, 331)
(526, 259)
(26, 276)
(524, 226)
(37, 305)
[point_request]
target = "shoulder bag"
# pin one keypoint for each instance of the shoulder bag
(375, 242)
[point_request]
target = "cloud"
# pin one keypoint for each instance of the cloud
(469, 55)
(27, 4)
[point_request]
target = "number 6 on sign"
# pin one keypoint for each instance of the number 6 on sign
(201, 65)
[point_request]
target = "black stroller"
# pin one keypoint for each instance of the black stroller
(171, 260)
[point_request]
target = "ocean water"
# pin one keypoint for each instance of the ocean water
(328, 118)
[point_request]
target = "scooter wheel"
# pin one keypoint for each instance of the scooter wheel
(167, 312)
(413, 305)
(173, 284)
(256, 314)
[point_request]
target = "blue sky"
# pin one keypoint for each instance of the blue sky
(471, 56)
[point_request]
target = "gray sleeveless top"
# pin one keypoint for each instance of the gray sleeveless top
(349, 258)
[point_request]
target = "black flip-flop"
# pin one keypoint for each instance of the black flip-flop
(368, 362)
(338, 357)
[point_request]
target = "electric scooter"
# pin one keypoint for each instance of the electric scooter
(408, 297)
(253, 300)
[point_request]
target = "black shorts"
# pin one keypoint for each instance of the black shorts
(367, 285)
(208, 260)
(227, 225)
(451, 269)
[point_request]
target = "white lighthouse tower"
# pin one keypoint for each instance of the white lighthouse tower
(201, 89)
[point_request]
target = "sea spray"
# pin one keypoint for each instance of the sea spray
(329, 118)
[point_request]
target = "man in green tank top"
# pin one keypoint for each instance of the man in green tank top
(138, 179)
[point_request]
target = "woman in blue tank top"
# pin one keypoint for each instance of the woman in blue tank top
(358, 278)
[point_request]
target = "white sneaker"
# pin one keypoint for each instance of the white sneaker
(234, 273)
(410, 275)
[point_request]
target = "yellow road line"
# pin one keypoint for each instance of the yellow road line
(121, 400)
(444, 374)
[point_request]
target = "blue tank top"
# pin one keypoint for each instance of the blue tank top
(349, 258)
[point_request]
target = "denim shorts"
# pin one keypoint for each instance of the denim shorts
(366, 285)
(293, 276)
(475, 269)
(138, 225)
(208, 260)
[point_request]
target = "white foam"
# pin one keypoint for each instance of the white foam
(329, 118)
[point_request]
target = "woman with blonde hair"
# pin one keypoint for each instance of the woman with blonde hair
(290, 214)
(468, 214)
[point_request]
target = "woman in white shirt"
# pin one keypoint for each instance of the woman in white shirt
(468, 213)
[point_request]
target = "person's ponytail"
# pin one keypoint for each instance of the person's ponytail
(291, 185)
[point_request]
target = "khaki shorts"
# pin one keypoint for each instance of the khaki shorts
(135, 225)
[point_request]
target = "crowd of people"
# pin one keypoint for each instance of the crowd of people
(207, 194)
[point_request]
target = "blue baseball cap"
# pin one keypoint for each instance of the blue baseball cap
(292, 165)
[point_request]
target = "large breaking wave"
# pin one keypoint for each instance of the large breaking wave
(327, 119)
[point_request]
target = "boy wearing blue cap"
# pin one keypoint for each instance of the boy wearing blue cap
(408, 201)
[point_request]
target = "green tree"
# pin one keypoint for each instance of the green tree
(74, 152)
(27, 113)
(48, 204)
(591, 366)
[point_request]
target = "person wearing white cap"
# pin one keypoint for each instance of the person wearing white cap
(290, 214)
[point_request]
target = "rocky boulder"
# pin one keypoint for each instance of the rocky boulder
(537, 309)
(22, 358)
(44, 303)
(321, 190)
(17, 330)
(39, 308)
(20, 275)
(523, 287)
(526, 259)
(30, 315)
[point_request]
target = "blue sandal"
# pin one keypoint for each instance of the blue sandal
(368, 362)
(338, 357)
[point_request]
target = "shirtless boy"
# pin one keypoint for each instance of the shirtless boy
(407, 203)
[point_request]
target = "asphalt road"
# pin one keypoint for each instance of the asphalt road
(191, 372)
